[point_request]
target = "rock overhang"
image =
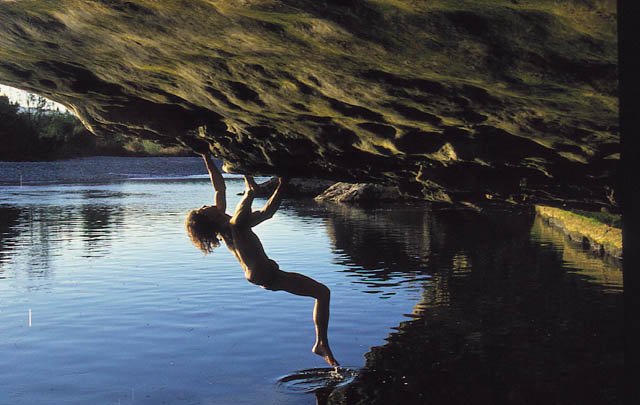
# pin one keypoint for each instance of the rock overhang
(451, 101)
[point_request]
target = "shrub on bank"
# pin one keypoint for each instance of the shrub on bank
(41, 134)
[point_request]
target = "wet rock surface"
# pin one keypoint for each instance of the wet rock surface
(510, 101)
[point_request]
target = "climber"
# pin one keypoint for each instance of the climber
(208, 224)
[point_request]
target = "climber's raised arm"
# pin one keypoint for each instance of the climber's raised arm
(271, 206)
(217, 181)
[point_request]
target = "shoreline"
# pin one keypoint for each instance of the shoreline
(602, 239)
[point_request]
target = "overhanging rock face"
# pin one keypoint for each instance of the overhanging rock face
(452, 101)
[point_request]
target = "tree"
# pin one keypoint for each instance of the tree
(37, 132)
(16, 133)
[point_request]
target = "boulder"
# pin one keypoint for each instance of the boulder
(297, 187)
(360, 193)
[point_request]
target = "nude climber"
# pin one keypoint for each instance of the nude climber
(208, 224)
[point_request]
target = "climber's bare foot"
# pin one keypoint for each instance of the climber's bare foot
(323, 350)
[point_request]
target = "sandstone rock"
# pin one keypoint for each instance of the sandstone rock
(498, 98)
(297, 187)
(360, 193)
(307, 187)
(600, 238)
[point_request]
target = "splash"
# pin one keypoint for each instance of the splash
(317, 379)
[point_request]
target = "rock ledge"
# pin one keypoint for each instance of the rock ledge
(600, 238)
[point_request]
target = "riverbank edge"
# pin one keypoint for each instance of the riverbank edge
(598, 237)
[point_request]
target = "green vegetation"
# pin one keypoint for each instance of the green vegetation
(38, 133)
(606, 218)
(598, 234)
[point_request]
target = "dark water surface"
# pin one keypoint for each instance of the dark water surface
(103, 300)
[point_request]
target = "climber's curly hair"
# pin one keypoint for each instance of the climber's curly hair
(203, 231)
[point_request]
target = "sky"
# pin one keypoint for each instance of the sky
(20, 96)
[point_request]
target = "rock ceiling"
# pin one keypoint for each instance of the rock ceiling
(450, 100)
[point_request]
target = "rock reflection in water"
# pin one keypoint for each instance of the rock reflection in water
(384, 247)
(504, 318)
(605, 271)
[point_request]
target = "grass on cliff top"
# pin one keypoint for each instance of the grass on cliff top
(606, 218)
(587, 226)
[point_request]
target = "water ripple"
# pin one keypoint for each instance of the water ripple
(317, 379)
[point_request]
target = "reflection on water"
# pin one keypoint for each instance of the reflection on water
(29, 236)
(502, 321)
(98, 224)
(601, 271)
(9, 219)
(383, 248)
(428, 305)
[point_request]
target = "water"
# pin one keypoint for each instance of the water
(317, 379)
(104, 300)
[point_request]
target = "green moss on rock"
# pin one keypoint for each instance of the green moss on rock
(597, 235)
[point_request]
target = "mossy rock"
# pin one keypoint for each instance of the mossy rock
(592, 233)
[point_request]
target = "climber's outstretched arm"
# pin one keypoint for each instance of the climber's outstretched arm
(271, 206)
(217, 181)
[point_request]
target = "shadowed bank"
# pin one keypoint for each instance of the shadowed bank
(513, 313)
